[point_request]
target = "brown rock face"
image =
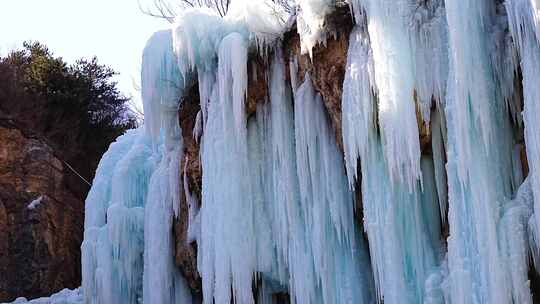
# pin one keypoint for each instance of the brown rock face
(39, 242)
(327, 67)
(257, 91)
(186, 252)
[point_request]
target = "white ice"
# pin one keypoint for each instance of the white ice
(65, 296)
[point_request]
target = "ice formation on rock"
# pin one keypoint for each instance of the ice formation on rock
(451, 218)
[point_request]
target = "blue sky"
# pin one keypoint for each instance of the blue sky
(113, 30)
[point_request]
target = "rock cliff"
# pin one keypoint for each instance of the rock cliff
(41, 221)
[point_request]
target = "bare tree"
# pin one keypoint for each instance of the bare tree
(159, 9)
(167, 9)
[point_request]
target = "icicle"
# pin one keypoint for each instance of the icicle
(471, 76)
(534, 241)
(277, 210)
(297, 235)
(194, 223)
(198, 127)
(293, 72)
(198, 32)
(190, 199)
(282, 185)
(357, 100)
(387, 24)
(125, 218)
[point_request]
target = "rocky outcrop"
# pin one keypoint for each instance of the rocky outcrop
(41, 221)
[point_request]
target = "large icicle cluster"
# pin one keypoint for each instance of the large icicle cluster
(272, 212)
(431, 127)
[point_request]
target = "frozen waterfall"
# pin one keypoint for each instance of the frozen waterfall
(434, 196)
